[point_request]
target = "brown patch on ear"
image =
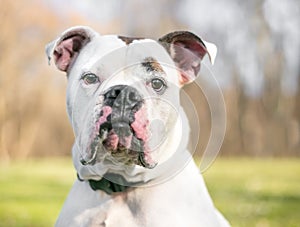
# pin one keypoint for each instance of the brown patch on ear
(128, 40)
(152, 65)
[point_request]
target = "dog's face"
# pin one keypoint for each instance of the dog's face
(123, 93)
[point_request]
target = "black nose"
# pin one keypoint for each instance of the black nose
(124, 100)
(123, 94)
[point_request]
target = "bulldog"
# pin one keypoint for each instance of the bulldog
(131, 152)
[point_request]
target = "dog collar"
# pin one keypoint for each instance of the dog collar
(109, 187)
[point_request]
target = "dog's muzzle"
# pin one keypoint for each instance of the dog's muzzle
(121, 128)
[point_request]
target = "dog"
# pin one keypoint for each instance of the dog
(131, 134)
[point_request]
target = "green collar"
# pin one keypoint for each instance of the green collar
(119, 184)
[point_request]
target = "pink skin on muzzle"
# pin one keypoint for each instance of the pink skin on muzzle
(139, 127)
(140, 124)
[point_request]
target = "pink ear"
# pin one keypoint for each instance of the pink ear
(67, 50)
(187, 50)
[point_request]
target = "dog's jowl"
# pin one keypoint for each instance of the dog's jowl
(131, 134)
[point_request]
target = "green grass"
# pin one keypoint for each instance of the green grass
(249, 192)
(256, 192)
(32, 192)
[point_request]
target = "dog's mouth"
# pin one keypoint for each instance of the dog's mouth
(121, 138)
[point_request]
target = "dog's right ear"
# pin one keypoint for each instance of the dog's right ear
(65, 49)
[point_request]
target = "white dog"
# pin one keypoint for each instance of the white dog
(130, 153)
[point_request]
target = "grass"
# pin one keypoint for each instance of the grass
(249, 192)
(32, 192)
(257, 192)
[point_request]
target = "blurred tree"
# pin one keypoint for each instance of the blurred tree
(25, 95)
(254, 61)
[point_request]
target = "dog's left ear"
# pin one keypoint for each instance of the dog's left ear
(187, 50)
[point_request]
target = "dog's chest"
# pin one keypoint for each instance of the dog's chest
(117, 211)
(143, 207)
(132, 210)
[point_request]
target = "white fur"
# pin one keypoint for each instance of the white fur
(174, 193)
(179, 202)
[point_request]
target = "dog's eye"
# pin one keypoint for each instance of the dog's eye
(158, 85)
(90, 78)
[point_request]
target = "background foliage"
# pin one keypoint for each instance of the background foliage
(255, 58)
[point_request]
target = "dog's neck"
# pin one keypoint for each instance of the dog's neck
(109, 187)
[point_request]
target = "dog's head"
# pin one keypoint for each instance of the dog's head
(123, 93)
